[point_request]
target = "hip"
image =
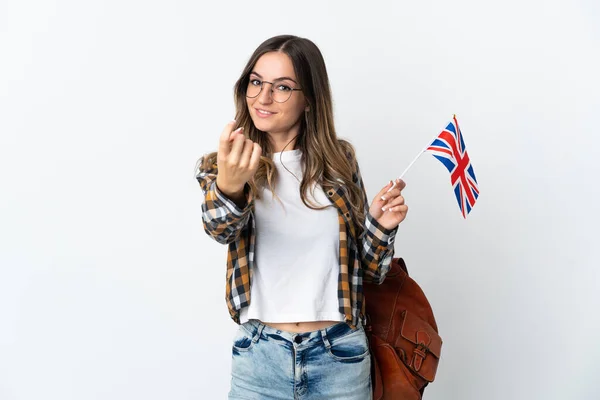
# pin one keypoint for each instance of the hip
(322, 363)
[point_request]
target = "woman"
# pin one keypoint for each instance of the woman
(286, 196)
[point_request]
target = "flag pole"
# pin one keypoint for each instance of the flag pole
(416, 158)
(411, 164)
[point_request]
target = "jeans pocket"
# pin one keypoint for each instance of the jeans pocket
(244, 339)
(350, 347)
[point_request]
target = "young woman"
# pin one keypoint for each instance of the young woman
(286, 195)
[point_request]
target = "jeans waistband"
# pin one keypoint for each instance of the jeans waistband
(331, 332)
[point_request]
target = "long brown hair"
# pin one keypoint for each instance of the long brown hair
(325, 158)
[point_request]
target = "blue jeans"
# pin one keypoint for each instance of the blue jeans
(330, 363)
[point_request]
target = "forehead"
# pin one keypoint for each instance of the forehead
(274, 65)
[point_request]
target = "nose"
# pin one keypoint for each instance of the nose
(265, 94)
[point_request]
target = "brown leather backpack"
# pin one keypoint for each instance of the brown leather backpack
(403, 336)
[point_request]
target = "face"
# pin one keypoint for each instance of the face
(275, 67)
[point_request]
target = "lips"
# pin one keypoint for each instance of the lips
(259, 112)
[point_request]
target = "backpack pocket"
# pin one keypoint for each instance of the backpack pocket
(419, 346)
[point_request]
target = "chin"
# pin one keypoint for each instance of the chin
(263, 125)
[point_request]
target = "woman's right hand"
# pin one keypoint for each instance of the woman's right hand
(237, 160)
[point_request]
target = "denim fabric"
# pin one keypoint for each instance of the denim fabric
(331, 363)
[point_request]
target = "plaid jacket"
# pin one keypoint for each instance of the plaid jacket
(366, 258)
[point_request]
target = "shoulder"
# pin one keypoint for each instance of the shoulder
(347, 148)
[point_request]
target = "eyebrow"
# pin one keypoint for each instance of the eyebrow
(278, 79)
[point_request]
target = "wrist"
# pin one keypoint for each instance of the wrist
(237, 195)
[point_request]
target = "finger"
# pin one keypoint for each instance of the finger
(401, 209)
(391, 194)
(224, 138)
(238, 131)
(384, 190)
(396, 202)
(236, 149)
(246, 153)
(398, 183)
(255, 158)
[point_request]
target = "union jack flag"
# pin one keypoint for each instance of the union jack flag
(449, 148)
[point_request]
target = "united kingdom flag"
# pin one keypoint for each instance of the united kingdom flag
(449, 148)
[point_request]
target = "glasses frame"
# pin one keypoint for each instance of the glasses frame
(271, 91)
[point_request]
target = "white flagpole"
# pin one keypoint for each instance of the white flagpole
(411, 164)
(416, 158)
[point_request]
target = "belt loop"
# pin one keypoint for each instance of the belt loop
(258, 332)
(324, 337)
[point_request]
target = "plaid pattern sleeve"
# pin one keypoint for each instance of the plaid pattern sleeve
(223, 220)
(376, 243)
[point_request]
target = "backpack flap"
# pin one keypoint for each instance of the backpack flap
(420, 346)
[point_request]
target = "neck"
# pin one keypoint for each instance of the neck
(286, 139)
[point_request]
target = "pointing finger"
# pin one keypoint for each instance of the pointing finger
(224, 138)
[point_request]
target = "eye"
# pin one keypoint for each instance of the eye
(255, 82)
(284, 88)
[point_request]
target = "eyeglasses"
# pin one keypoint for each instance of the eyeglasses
(280, 93)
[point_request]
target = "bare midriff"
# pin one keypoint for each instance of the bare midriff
(300, 327)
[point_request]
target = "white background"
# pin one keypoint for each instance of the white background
(109, 287)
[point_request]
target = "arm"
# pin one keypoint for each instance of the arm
(376, 243)
(223, 219)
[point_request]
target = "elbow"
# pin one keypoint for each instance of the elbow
(213, 231)
(219, 234)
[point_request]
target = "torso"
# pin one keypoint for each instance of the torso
(268, 229)
(300, 327)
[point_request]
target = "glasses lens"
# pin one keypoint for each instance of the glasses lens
(281, 93)
(253, 88)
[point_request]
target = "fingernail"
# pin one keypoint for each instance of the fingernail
(382, 197)
(383, 209)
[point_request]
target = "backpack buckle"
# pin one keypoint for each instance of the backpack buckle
(420, 352)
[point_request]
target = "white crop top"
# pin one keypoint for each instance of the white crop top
(295, 277)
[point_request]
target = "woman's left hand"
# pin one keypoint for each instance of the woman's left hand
(390, 210)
